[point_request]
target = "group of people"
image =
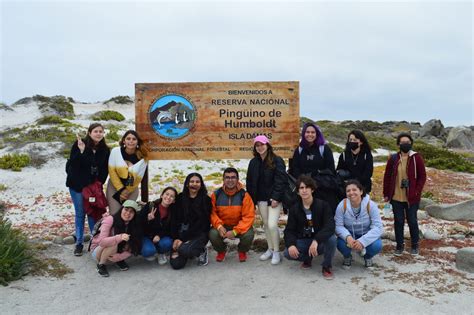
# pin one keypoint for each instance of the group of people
(178, 226)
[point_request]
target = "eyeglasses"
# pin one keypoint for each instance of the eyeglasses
(230, 177)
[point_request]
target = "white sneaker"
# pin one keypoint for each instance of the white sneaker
(150, 258)
(162, 260)
(267, 255)
(276, 258)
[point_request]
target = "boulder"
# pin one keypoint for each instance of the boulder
(465, 259)
(69, 240)
(431, 235)
(58, 240)
(460, 138)
(422, 215)
(433, 127)
(463, 211)
(424, 202)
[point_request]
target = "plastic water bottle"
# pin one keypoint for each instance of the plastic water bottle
(387, 210)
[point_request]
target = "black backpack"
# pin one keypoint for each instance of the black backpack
(95, 232)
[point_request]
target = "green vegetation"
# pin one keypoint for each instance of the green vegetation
(3, 187)
(443, 159)
(51, 120)
(119, 100)
(15, 161)
(15, 255)
(108, 115)
(111, 134)
(58, 104)
(335, 148)
(378, 142)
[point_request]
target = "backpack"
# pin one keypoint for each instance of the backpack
(290, 194)
(95, 232)
(68, 167)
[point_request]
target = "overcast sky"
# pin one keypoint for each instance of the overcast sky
(354, 60)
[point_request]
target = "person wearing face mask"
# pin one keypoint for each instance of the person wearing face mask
(356, 162)
(403, 183)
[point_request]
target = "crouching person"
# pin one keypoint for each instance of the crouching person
(309, 231)
(358, 225)
(119, 237)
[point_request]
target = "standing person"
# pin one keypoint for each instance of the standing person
(313, 156)
(403, 183)
(87, 163)
(358, 225)
(119, 237)
(309, 231)
(357, 160)
(191, 223)
(266, 181)
(156, 222)
(233, 213)
(127, 165)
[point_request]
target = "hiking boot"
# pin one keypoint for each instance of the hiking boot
(267, 255)
(242, 256)
(102, 270)
(78, 250)
(162, 260)
(203, 259)
(369, 264)
(276, 258)
(346, 264)
(306, 265)
(415, 251)
(398, 251)
(220, 256)
(327, 273)
(122, 265)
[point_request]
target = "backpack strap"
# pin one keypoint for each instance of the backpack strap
(345, 207)
(321, 150)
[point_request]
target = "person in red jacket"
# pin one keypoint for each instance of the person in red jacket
(403, 183)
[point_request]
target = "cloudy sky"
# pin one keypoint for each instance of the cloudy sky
(354, 60)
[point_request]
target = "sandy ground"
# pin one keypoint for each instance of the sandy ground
(232, 287)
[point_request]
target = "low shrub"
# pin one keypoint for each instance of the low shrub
(15, 161)
(108, 115)
(443, 159)
(3, 187)
(59, 105)
(335, 148)
(50, 120)
(121, 99)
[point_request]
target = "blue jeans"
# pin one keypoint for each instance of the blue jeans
(163, 246)
(80, 216)
(327, 248)
(399, 211)
(371, 250)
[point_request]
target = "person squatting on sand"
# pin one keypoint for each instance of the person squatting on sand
(309, 231)
(156, 224)
(266, 183)
(127, 165)
(233, 213)
(356, 161)
(87, 163)
(403, 183)
(358, 225)
(119, 237)
(191, 223)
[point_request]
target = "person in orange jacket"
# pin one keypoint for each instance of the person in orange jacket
(232, 216)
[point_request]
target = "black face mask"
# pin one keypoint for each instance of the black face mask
(352, 145)
(405, 147)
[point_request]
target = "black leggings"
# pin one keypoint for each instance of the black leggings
(189, 249)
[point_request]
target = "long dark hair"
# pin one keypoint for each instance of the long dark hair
(157, 202)
(365, 147)
(201, 196)
(319, 136)
(90, 143)
(141, 147)
(269, 159)
(132, 228)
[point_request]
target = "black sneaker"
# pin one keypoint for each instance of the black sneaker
(415, 251)
(399, 251)
(122, 265)
(102, 270)
(78, 250)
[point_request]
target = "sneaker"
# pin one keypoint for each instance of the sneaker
(398, 251)
(276, 258)
(306, 265)
(242, 256)
(369, 264)
(150, 258)
(78, 250)
(267, 255)
(203, 259)
(327, 273)
(102, 270)
(162, 260)
(346, 264)
(415, 251)
(220, 256)
(122, 265)
(363, 252)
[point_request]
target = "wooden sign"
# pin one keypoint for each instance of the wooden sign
(216, 120)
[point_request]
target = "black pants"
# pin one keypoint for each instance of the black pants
(400, 211)
(189, 249)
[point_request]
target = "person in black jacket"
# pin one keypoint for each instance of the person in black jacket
(266, 182)
(357, 160)
(312, 157)
(156, 223)
(310, 229)
(190, 223)
(87, 163)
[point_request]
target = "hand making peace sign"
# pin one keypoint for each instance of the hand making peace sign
(151, 214)
(80, 144)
